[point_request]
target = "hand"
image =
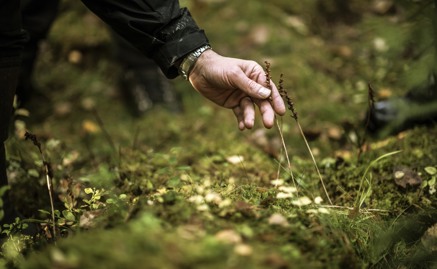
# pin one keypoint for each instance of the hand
(237, 84)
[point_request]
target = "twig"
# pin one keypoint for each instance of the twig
(49, 176)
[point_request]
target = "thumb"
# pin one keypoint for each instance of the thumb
(251, 87)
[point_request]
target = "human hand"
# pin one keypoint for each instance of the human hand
(237, 84)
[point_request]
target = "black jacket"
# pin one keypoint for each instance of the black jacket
(159, 28)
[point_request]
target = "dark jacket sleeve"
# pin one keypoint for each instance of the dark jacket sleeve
(159, 28)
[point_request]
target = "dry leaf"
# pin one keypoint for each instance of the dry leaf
(335, 133)
(260, 34)
(405, 176)
(75, 57)
(302, 201)
(235, 159)
(87, 219)
(278, 219)
(228, 236)
(62, 109)
(243, 250)
(90, 127)
(277, 182)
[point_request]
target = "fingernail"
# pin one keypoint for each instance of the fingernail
(264, 92)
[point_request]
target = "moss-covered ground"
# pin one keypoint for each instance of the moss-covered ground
(190, 190)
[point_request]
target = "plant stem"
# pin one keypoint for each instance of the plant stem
(287, 157)
(314, 161)
(49, 187)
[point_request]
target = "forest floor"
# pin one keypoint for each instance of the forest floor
(189, 190)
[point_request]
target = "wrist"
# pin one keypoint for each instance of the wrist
(190, 60)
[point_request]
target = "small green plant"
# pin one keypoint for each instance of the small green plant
(365, 189)
(94, 202)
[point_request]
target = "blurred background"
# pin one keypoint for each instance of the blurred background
(328, 51)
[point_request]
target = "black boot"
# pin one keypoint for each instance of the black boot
(417, 107)
(141, 83)
(145, 87)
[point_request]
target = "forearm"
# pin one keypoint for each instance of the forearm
(159, 28)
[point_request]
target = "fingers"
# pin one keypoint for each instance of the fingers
(239, 115)
(251, 87)
(267, 113)
(245, 113)
(249, 112)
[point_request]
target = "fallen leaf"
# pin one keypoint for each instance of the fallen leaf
(277, 182)
(302, 201)
(228, 236)
(318, 200)
(283, 195)
(245, 209)
(382, 6)
(405, 176)
(75, 57)
(260, 34)
(287, 189)
(278, 219)
(384, 93)
(62, 109)
(90, 127)
(22, 112)
(243, 250)
(235, 159)
(335, 133)
(88, 219)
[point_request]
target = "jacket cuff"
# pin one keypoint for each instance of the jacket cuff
(173, 51)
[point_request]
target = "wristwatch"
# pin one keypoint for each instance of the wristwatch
(189, 61)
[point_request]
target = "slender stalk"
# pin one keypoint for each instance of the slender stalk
(48, 173)
(314, 161)
(287, 157)
(50, 190)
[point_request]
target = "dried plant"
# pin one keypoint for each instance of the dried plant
(268, 75)
(49, 175)
(370, 109)
(294, 115)
(269, 86)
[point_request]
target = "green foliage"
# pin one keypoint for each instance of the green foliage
(365, 189)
